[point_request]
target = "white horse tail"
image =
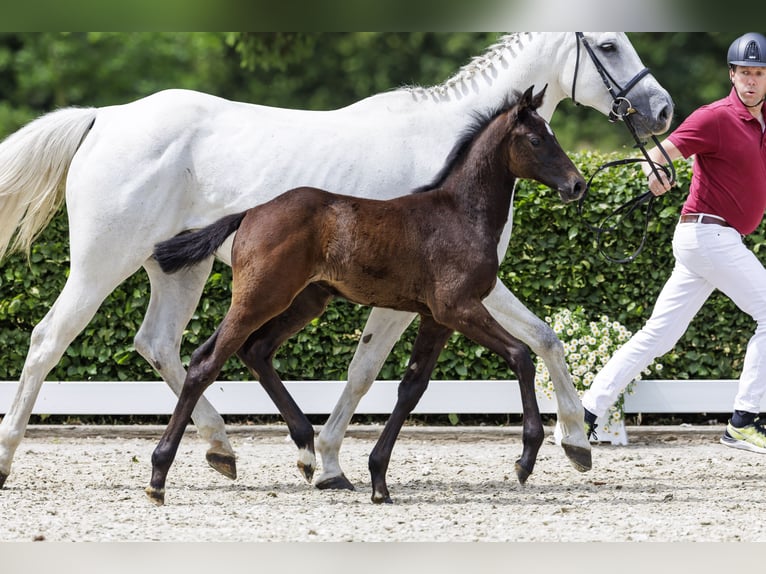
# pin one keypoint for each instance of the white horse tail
(34, 162)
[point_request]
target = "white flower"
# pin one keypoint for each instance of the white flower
(588, 346)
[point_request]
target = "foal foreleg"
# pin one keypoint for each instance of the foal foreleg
(475, 322)
(524, 325)
(257, 353)
(382, 331)
(428, 344)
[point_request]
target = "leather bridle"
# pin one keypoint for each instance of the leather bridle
(621, 110)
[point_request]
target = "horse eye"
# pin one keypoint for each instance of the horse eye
(534, 140)
(608, 47)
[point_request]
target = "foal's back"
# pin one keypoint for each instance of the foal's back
(395, 253)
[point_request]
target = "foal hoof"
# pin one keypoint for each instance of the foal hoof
(307, 462)
(381, 498)
(335, 483)
(580, 457)
(156, 495)
(223, 462)
(522, 473)
(307, 470)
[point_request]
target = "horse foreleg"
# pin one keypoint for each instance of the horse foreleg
(524, 325)
(382, 331)
(430, 341)
(257, 354)
(171, 306)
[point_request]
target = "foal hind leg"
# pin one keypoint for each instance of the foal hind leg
(171, 306)
(257, 353)
(382, 331)
(430, 341)
(205, 364)
(253, 304)
(524, 325)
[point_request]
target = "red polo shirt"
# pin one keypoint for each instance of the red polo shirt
(729, 171)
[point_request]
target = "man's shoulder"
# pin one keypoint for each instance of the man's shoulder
(723, 103)
(713, 110)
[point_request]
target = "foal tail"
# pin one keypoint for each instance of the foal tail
(188, 249)
(34, 162)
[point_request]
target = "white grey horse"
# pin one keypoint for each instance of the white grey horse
(138, 173)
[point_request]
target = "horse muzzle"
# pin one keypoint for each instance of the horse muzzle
(573, 191)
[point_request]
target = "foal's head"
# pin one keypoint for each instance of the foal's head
(533, 151)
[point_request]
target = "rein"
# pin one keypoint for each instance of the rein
(621, 110)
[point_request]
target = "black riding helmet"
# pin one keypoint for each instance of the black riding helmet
(748, 50)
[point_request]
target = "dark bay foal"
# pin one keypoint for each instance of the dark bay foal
(433, 252)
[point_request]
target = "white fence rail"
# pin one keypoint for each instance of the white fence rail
(319, 397)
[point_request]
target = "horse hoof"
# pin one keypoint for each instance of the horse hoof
(223, 462)
(381, 498)
(307, 470)
(580, 457)
(522, 473)
(3, 476)
(156, 495)
(335, 483)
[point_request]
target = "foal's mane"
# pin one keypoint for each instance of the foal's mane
(479, 122)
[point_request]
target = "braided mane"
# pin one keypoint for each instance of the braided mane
(509, 43)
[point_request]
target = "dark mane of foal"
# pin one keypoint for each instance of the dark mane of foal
(479, 122)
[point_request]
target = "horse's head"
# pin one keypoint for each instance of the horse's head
(535, 153)
(597, 62)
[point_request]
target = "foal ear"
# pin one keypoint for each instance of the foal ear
(526, 100)
(537, 100)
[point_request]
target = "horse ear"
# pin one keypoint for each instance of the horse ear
(525, 100)
(537, 101)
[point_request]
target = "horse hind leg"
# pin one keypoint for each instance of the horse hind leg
(72, 311)
(257, 353)
(383, 329)
(171, 305)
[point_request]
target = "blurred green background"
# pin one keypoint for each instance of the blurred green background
(321, 70)
(552, 259)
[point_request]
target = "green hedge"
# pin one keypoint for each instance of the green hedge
(552, 263)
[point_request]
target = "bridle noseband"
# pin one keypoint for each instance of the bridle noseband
(621, 110)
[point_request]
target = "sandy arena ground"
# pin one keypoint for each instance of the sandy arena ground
(670, 484)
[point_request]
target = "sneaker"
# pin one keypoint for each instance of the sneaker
(751, 437)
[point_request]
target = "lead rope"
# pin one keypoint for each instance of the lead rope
(611, 223)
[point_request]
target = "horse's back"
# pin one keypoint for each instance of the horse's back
(360, 247)
(259, 150)
(179, 159)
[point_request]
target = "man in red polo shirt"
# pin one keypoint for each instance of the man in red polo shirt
(727, 199)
